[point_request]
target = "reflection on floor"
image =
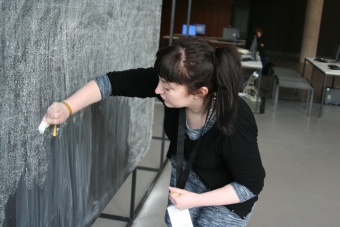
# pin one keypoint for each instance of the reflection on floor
(301, 156)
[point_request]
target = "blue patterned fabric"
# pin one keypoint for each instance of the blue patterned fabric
(194, 134)
(104, 85)
(212, 216)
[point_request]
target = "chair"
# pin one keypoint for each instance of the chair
(291, 78)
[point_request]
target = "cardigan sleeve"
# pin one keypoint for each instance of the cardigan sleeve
(243, 158)
(242, 192)
(134, 82)
(104, 85)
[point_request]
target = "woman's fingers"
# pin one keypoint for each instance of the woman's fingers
(176, 191)
(57, 113)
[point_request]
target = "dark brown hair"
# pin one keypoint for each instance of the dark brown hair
(258, 29)
(195, 63)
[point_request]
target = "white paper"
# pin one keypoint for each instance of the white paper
(179, 218)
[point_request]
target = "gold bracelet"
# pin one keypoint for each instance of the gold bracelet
(68, 108)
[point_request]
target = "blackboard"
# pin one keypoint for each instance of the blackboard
(49, 49)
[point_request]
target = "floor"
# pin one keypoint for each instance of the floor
(301, 156)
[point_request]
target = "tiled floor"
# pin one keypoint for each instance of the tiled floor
(301, 156)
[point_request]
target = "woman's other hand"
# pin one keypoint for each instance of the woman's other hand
(183, 199)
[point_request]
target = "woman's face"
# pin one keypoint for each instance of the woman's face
(174, 95)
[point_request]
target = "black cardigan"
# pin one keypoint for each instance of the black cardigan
(220, 159)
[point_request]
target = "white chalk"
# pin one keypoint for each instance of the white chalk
(43, 125)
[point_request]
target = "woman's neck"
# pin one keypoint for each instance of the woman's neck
(196, 117)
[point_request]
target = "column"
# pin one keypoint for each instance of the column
(311, 29)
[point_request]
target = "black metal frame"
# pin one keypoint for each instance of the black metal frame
(134, 212)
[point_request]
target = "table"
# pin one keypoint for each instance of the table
(214, 40)
(323, 67)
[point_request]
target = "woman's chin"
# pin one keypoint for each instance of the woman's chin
(167, 104)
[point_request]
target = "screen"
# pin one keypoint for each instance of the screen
(192, 30)
(231, 33)
(200, 29)
(253, 48)
(337, 52)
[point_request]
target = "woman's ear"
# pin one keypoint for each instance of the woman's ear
(203, 91)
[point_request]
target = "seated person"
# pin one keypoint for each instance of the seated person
(266, 63)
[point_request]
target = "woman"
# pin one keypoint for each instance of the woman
(212, 133)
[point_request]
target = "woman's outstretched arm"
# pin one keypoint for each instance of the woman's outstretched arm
(58, 112)
(129, 83)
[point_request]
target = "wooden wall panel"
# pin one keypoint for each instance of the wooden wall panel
(216, 14)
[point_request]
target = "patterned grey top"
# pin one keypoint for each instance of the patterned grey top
(194, 134)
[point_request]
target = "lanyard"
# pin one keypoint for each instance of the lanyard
(182, 176)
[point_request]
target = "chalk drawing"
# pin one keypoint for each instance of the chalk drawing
(49, 49)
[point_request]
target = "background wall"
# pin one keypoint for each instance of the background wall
(216, 14)
(282, 21)
(329, 28)
(49, 49)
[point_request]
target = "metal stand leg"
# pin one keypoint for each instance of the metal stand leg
(274, 87)
(277, 88)
(323, 95)
(133, 194)
(304, 67)
(134, 212)
(258, 90)
(312, 76)
(310, 94)
(132, 203)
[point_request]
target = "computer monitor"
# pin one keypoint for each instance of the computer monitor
(192, 30)
(200, 29)
(253, 48)
(336, 54)
(231, 34)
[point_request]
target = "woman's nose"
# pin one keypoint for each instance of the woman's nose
(159, 90)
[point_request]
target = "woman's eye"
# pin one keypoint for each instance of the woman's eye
(167, 89)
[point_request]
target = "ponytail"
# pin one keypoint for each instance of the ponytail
(228, 73)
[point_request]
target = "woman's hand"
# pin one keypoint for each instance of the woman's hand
(56, 114)
(183, 199)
